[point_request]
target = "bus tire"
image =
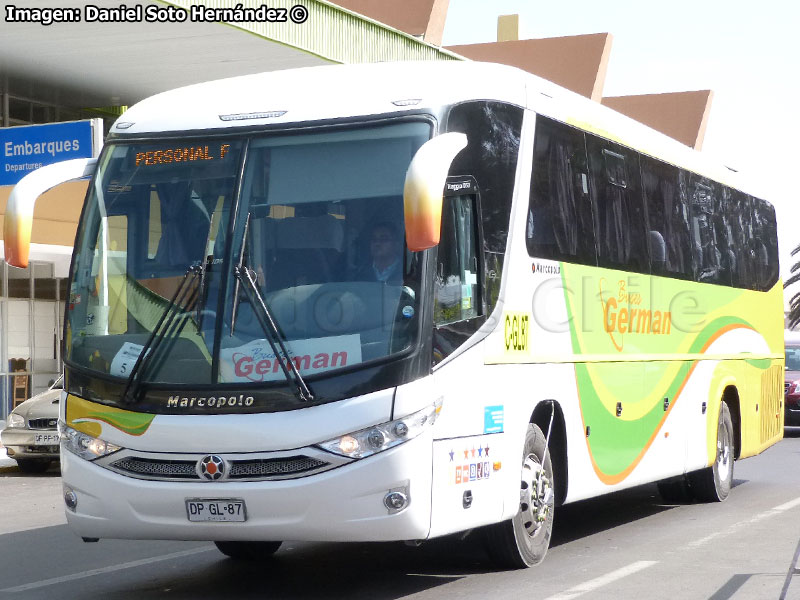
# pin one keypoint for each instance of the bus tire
(713, 484)
(523, 540)
(248, 550)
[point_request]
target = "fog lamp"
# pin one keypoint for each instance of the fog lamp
(395, 501)
(70, 499)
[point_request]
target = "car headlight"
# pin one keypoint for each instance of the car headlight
(85, 446)
(369, 441)
(15, 420)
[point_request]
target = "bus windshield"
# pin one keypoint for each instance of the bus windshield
(315, 218)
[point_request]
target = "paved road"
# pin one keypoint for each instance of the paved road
(627, 545)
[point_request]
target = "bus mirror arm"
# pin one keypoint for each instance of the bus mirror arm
(19, 209)
(424, 186)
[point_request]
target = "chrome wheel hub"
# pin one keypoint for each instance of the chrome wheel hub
(535, 495)
(723, 454)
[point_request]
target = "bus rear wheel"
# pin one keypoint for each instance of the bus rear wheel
(248, 550)
(523, 540)
(713, 484)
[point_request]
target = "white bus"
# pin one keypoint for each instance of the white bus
(398, 301)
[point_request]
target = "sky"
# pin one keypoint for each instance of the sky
(747, 52)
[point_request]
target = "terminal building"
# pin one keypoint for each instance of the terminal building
(94, 68)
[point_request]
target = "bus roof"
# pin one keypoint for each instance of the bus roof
(345, 91)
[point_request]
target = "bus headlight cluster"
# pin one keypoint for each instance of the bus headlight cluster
(85, 446)
(369, 441)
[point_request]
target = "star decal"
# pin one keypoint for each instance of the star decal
(486, 450)
(466, 453)
(452, 454)
(480, 451)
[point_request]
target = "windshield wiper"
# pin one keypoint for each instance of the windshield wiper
(205, 266)
(184, 296)
(201, 293)
(238, 283)
(267, 322)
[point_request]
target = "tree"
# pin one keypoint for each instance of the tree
(794, 303)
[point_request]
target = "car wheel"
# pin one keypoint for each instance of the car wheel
(713, 484)
(523, 540)
(248, 550)
(27, 465)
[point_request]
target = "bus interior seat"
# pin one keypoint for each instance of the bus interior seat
(306, 250)
(658, 250)
(184, 226)
(762, 263)
(762, 256)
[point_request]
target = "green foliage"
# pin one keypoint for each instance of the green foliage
(794, 303)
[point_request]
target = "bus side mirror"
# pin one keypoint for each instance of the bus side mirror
(424, 185)
(19, 209)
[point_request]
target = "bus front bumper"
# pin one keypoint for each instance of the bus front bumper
(343, 504)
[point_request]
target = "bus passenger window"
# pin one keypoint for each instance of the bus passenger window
(619, 216)
(723, 235)
(663, 187)
(743, 275)
(559, 223)
(704, 244)
(456, 290)
(493, 130)
(765, 241)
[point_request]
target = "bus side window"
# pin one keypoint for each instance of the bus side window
(704, 243)
(457, 302)
(456, 291)
(723, 236)
(765, 244)
(744, 275)
(559, 221)
(619, 215)
(493, 132)
(664, 194)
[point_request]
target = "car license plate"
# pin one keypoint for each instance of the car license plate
(216, 509)
(46, 439)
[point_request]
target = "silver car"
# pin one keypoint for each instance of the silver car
(31, 434)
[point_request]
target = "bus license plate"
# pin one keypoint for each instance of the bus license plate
(217, 509)
(46, 439)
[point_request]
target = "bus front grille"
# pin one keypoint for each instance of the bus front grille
(270, 467)
(157, 469)
(248, 467)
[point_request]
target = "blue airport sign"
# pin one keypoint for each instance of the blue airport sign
(23, 149)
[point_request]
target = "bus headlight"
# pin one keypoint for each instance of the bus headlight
(369, 441)
(85, 446)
